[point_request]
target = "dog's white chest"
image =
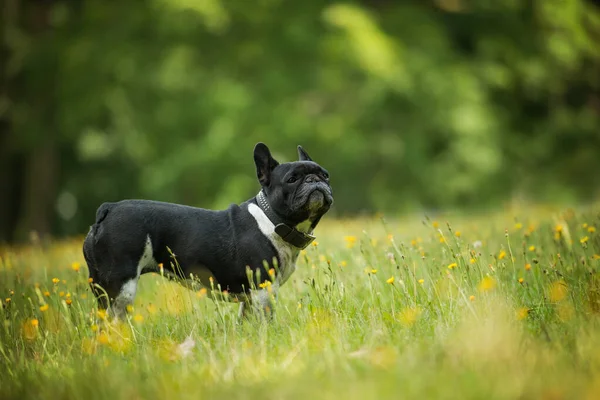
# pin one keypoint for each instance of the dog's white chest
(288, 254)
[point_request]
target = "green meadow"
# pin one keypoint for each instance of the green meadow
(502, 305)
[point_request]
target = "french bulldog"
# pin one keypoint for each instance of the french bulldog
(241, 254)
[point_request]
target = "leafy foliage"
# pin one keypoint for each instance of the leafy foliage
(431, 104)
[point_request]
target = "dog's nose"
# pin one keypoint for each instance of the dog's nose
(311, 179)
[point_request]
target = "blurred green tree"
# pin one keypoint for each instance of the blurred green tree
(411, 105)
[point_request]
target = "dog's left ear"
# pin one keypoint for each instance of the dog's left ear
(303, 155)
(265, 163)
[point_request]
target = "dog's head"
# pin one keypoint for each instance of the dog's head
(297, 191)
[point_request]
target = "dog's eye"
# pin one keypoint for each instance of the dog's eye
(292, 179)
(325, 175)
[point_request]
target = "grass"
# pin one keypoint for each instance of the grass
(498, 306)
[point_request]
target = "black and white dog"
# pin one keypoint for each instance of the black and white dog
(224, 249)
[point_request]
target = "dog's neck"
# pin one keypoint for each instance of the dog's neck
(298, 236)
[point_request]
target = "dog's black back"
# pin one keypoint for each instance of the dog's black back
(223, 242)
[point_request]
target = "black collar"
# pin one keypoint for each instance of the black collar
(289, 234)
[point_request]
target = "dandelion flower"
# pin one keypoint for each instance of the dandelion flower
(103, 338)
(522, 313)
(596, 256)
(501, 255)
(421, 281)
(409, 316)
(44, 307)
(138, 318)
(532, 248)
(34, 322)
(350, 241)
(457, 233)
(390, 280)
(373, 271)
(69, 302)
(101, 314)
(343, 264)
(518, 226)
(452, 266)
(558, 291)
(315, 243)
(487, 284)
(472, 298)
(75, 266)
(584, 240)
(521, 280)
(435, 224)
(591, 229)
(8, 300)
(527, 267)
(90, 280)
(55, 281)
(61, 294)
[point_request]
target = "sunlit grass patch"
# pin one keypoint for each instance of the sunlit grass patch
(503, 306)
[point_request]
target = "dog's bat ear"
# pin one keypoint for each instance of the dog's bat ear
(303, 155)
(265, 163)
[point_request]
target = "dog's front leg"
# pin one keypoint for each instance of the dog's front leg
(260, 301)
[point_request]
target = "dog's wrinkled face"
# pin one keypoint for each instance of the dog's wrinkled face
(297, 191)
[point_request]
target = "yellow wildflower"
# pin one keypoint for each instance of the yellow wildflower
(75, 266)
(55, 281)
(421, 281)
(527, 267)
(558, 228)
(61, 294)
(265, 284)
(138, 318)
(272, 272)
(103, 338)
(518, 225)
(413, 243)
(472, 261)
(532, 248)
(487, 283)
(558, 291)
(596, 256)
(521, 280)
(584, 240)
(522, 313)
(390, 280)
(452, 266)
(373, 271)
(350, 241)
(8, 300)
(435, 224)
(101, 314)
(201, 293)
(90, 280)
(343, 264)
(315, 243)
(591, 229)
(44, 307)
(457, 233)
(501, 255)
(409, 316)
(94, 327)
(34, 322)
(472, 298)
(585, 225)
(69, 302)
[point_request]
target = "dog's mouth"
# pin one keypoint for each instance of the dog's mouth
(318, 199)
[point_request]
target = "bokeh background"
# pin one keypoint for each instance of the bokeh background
(412, 105)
